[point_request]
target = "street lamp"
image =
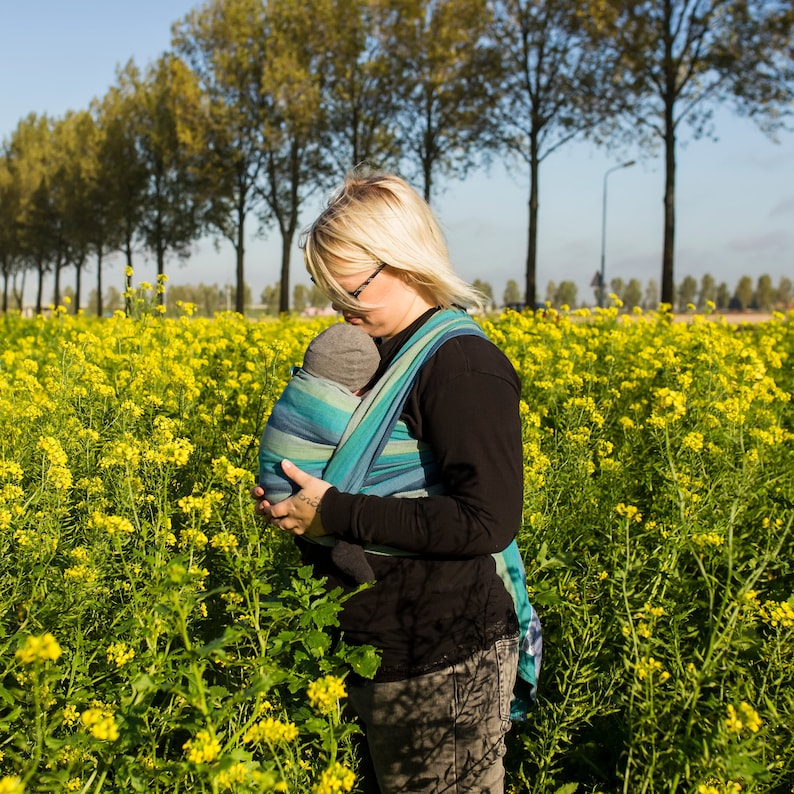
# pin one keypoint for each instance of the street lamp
(604, 229)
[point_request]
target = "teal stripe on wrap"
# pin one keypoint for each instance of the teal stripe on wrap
(307, 423)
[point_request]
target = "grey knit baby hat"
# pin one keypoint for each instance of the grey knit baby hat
(342, 353)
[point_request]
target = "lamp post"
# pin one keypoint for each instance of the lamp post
(604, 230)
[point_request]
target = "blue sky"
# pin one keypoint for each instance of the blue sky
(735, 196)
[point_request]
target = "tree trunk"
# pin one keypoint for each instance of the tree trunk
(669, 215)
(56, 288)
(19, 295)
(283, 297)
(669, 179)
(78, 283)
(128, 277)
(239, 298)
(288, 234)
(159, 291)
(99, 283)
(39, 287)
(530, 292)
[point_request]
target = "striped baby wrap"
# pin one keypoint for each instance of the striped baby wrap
(308, 422)
(361, 446)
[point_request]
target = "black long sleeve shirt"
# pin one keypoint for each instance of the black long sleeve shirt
(438, 607)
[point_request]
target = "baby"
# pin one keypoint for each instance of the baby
(308, 420)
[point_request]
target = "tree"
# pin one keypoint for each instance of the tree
(444, 53)
(293, 72)
(317, 298)
(486, 290)
(723, 298)
(551, 292)
(566, 294)
(11, 261)
(512, 293)
(617, 287)
(680, 58)
(554, 89)
(270, 298)
(30, 152)
(632, 294)
(207, 298)
(103, 228)
(300, 298)
(687, 290)
(783, 292)
(73, 172)
(708, 291)
(744, 292)
(651, 300)
(360, 90)
(224, 43)
(764, 293)
(171, 216)
(122, 176)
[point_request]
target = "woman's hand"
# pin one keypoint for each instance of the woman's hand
(300, 513)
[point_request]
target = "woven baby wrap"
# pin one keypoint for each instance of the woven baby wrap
(361, 446)
(307, 424)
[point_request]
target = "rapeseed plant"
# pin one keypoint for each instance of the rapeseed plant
(193, 650)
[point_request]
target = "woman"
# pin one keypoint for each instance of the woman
(436, 714)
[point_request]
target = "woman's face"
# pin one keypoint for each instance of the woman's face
(395, 303)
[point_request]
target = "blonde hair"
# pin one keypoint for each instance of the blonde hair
(374, 219)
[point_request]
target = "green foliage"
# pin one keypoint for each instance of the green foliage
(658, 541)
(159, 637)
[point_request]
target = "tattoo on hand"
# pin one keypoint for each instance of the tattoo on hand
(311, 501)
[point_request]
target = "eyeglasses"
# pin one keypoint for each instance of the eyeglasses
(356, 292)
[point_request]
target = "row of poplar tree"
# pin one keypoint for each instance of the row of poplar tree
(257, 106)
(704, 295)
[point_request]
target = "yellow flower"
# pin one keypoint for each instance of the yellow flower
(708, 539)
(81, 573)
(120, 653)
(693, 441)
(650, 668)
(11, 784)
(44, 648)
(225, 541)
(195, 537)
(235, 775)
(751, 717)
(70, 715)
(53, 450)
(113, 525)
(271, 730)
(745, 717)
(202, 506)
(732, 721)
(656, 612)
(325, 692)
(777, 614)
(629, 511)
(334, 779)
(100, 723)
(203, 748)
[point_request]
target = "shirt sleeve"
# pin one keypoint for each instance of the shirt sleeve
(465, 406)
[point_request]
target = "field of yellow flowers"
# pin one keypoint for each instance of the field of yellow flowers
(158, 637)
